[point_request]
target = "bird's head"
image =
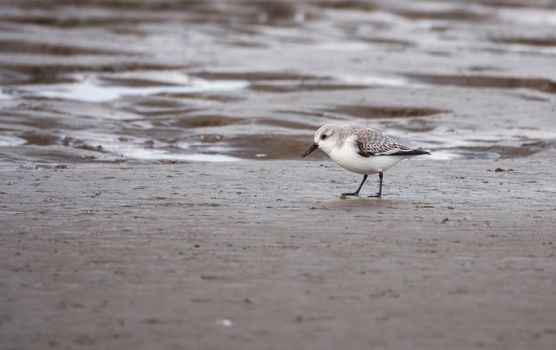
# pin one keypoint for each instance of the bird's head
(325, 139)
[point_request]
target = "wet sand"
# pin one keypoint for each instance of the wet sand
(228, 80)
(264, 255)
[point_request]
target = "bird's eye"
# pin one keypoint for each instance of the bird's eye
(323, 137)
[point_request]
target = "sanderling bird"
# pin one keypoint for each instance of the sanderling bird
(360, 149)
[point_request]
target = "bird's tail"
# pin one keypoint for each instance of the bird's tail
(410, 152)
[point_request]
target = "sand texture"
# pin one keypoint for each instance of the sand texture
(265, 255)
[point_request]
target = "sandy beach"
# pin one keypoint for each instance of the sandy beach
(265, 255)
(152, 195)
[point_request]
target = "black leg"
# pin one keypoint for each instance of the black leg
(356, 193)
(379, 194)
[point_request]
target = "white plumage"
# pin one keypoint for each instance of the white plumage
(361, 150)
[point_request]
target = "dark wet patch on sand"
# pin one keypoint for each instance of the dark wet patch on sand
(22, 117)
(76, 22)
(154, 102)
(531, 41)
(206, 121)
(352, 5)
(438, 53)
(270, 146)
(515, 3)
(459, 14)
(50, 49)
(387, 41)
(256, 76)
(80, 144)
(243, 43)
(49, 139)
(483, 69)
(485, 81)
(532, 98)
(505, 151)
(40, 138)
(36, 75)
(276, 13)
(203, 96)
(303, 86)
(59, 73)
(83, 146)
(53, 153)
(134, 82)
(362, 111)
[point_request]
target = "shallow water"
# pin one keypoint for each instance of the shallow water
(164, 80)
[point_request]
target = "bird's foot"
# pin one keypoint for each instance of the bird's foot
(378, 195)
(353, 194)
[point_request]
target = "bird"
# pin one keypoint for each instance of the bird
(362, 150)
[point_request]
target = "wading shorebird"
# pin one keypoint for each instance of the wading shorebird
(362, 150)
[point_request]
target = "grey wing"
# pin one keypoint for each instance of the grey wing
(370, 142)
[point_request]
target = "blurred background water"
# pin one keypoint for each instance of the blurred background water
(210, 80)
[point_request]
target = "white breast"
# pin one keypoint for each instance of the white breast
(348, 158)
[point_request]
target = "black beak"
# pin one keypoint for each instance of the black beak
(309, 150)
